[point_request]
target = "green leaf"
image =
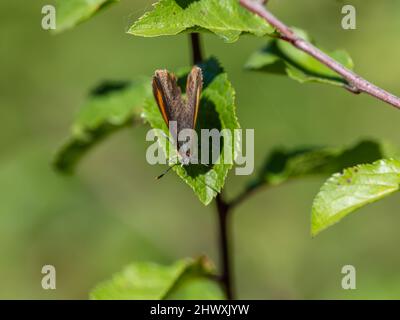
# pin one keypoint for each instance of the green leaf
(353, 188)
(72, 12)
(225, 18)
(186, 279)
(280, 57)
(217, 110)
(196, 287)
(111, 107)
(283, 165)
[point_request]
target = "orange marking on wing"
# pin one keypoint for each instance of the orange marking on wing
(161, 105)
(196, 107)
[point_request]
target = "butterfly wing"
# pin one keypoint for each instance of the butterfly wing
(187, 115)
(194, 86)
(167, 95)
(168, 98)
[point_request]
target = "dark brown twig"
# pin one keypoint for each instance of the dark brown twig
(222, 207)
(357, 84)
(196, 48)
(246, 193)
(223, 222)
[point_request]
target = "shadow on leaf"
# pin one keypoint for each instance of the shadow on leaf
(185, 3)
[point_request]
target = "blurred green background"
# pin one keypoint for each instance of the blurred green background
(113, 212)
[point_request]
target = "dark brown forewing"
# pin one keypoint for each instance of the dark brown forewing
(194, 85)
(167, 95)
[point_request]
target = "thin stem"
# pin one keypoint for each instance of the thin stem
(246, 193)
(197, 55)
(222, 206)
(357, 84)
(223, 222)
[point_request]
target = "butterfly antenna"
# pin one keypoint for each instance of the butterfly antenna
(165, 172)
